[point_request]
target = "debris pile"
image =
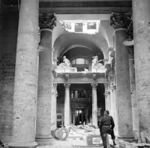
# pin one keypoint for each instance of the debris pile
(75, 131)
(140, 140)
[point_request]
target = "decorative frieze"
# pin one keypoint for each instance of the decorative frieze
(120, 20)
(47, 21)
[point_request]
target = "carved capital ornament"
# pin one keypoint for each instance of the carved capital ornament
(94, 85)
(67, 85)
(47, 21)
(54, 90)
(120, 20)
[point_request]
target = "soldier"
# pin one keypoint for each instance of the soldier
(107, 127)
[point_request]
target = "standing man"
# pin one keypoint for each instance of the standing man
(107, 127)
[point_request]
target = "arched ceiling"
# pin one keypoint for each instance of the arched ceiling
(96, 43)
(82, 52)
(102, 41)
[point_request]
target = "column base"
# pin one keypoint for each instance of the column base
(136, 134)
(126, 138)
(45, 140)
(22, 145)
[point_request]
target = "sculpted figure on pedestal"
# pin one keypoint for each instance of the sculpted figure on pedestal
(97, 66)
(95, 62)
(65, 66)
(66, 61)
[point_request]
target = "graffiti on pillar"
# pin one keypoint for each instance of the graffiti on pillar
(7, 69)
(144, 86)
(24, 117)
(142, 32)
(44, 117)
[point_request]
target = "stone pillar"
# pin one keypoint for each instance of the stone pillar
(114, 107)
(141, 24)
(54, 107)
(112, 81)
(26, 76)
(94, 104)
(43, 135)
(67, 105)
(133, 93)
(107, 98)
(73, 114)
(86, 115)
(123, 93)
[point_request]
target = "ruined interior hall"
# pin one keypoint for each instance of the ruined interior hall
(64, 62)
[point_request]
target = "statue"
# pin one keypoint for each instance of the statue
(95, 61)
(66, 61)
(65, 66)
(97, 66)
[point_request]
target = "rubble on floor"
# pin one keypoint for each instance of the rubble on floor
(86, 135)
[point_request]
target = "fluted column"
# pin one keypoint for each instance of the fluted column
(67, 105)
(94, 104)
(54, 107)
(43, 135)
(26, 72)
(141, 24)
(123, 93)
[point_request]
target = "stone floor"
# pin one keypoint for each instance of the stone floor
(71, 144)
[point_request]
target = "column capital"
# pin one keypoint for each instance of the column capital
(47, 21)
(112, 87)
(67, 85)
(107, 93)
(94, 85)
(120, 20)
(111, 76)
(106, 86)
(54, 90)
(107, 89)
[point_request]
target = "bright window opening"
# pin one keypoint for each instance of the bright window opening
(81, 26)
